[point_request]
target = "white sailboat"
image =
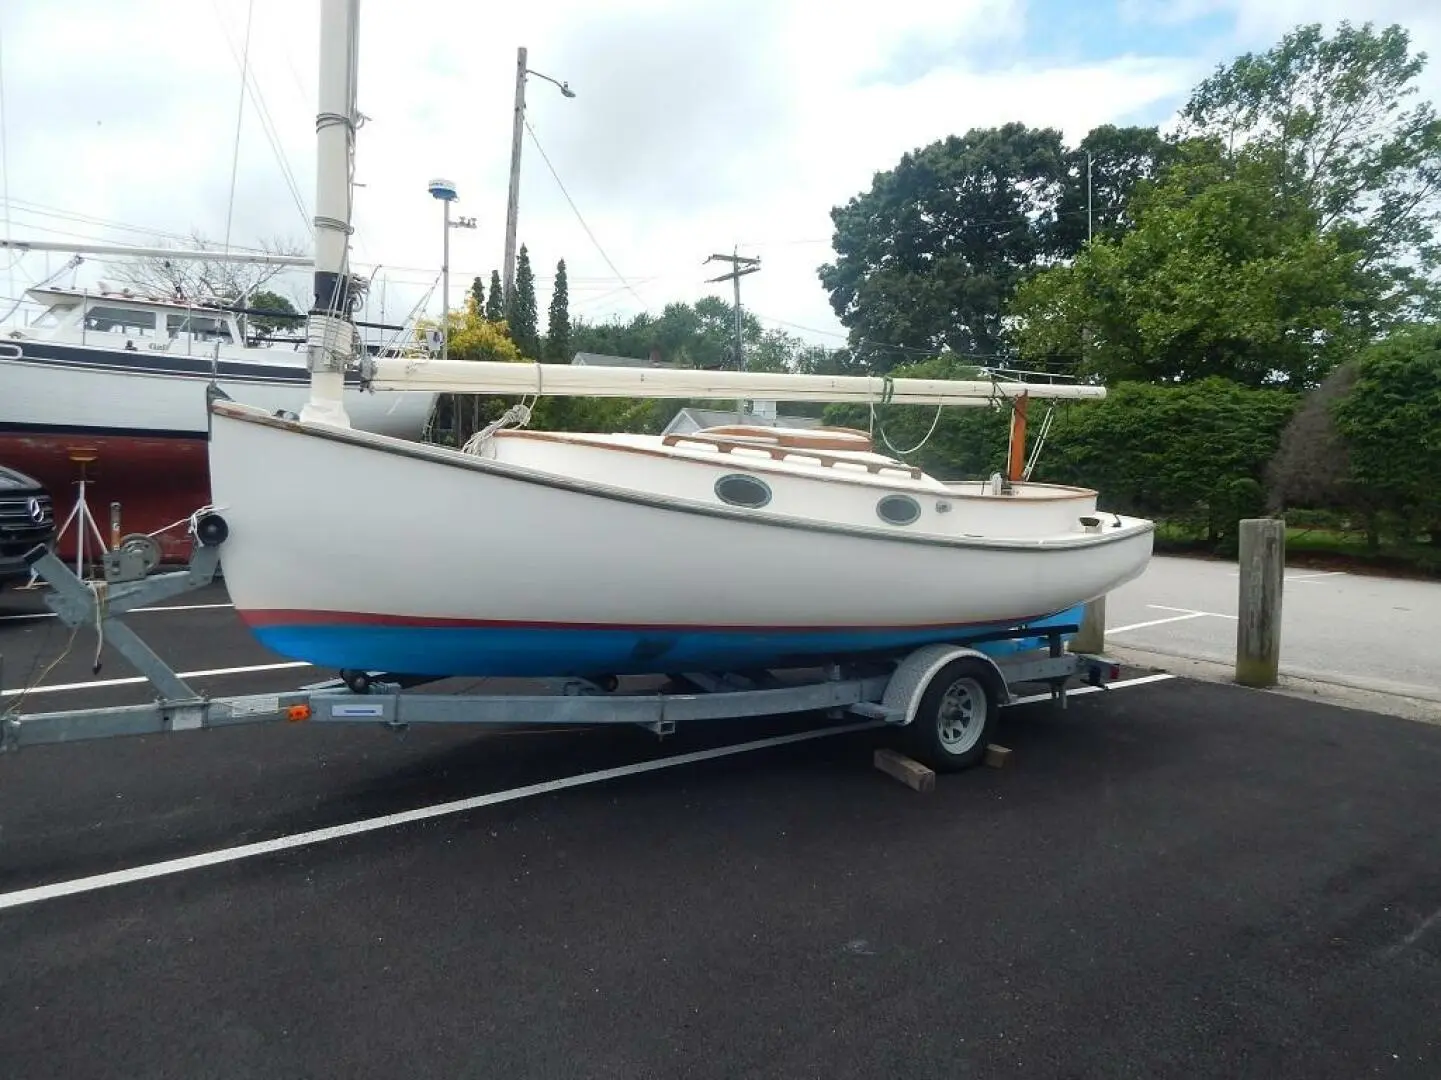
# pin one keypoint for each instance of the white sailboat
(537, 553)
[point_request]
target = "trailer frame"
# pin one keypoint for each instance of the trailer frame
(945, 697)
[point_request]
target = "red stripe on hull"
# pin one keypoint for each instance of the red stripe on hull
(266, 617)
(156, 481)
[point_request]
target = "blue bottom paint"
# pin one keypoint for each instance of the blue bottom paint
(539, 652)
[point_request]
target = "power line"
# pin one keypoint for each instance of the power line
(578, 216)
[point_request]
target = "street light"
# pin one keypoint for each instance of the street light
(444, 190)
(513, 207)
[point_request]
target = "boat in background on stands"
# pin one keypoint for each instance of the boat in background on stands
(110, 387)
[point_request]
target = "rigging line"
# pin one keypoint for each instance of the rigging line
(251, 86)
(239, 117)
(45, 210)
(273, 137)
(581, 219)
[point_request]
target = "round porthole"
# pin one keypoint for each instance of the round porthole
(740, 490)
(898, 509)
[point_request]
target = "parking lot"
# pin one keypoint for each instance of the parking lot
(1171, 878)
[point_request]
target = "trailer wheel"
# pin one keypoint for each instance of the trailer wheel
(956, 715)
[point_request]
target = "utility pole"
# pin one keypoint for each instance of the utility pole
(740, 266)
(512, 210)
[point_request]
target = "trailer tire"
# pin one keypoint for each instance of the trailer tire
(955, 716)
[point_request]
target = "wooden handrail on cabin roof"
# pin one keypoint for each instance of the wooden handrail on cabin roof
(779, 452)
(819, 438)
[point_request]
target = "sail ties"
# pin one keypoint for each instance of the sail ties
(515, 416)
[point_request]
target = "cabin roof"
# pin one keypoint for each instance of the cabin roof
(53, 295)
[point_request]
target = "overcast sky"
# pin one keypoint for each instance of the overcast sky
(696, 126)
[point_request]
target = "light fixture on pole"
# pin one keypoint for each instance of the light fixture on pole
(444, 190)
(513, 205)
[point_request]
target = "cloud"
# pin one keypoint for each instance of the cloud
(695, 126)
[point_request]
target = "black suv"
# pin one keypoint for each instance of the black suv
(27, 518)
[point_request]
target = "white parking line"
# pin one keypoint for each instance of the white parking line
(1139, 680)
(39, 893)
(136, 680)
(172, 607)
(1192, 611)
(1155, 622)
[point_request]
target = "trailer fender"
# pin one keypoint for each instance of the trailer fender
(913, 675)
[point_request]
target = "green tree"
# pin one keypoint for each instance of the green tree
(929, 257)
(1311, 469)
(522, 313)
(1121, 159)
(1332, 110)
(495, 302)
(1221, 276)
(557, 332)
(477, 293)
(1390, 422)
(281, 314)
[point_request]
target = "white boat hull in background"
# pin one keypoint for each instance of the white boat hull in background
(476, 567)
(48, 395)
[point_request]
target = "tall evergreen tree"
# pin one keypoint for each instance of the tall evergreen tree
(477, 293)
(557, 331)
(522, 315)
(495, 303)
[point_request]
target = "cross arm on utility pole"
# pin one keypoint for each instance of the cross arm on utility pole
(735, 274)
(741, 265)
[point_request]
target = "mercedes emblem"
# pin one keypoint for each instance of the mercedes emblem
(37, 511)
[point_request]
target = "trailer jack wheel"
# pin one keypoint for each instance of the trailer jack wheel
(956, 716)
(358, 682)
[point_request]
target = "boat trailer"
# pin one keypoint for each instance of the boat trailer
(944, 698)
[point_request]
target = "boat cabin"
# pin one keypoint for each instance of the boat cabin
(124, 320)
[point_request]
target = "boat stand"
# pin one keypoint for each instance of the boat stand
(945, 696)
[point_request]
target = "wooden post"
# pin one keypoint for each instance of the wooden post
(1092, 636)
(1017, 464)
(1258, 631)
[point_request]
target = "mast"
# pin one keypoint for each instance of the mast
(330, 333)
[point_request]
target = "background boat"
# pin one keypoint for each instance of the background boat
(117, 382)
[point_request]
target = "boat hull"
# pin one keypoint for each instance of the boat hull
(466, 566)
(422, 647)
(142, 420)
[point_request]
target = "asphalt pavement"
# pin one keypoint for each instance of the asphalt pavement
(1169, 879)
